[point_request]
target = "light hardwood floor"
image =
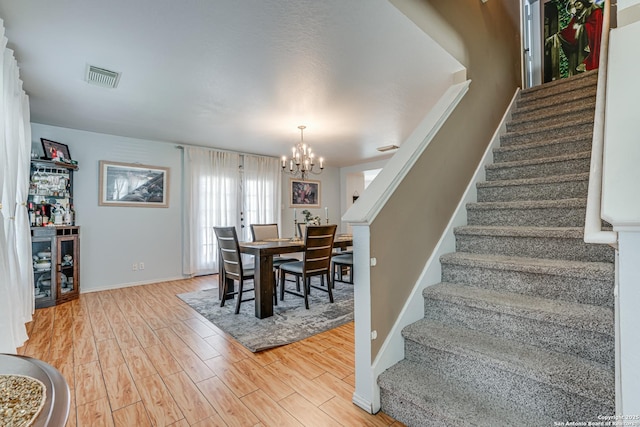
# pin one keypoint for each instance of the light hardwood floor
(139, 356)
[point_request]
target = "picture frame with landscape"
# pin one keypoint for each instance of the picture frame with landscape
(133, 185)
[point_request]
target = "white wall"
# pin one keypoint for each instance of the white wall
(113, 238)
(348, 185)
(628, 12)
(620, 202)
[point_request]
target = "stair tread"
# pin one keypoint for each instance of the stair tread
(569, 373)
(562, 82)
(573, 315)
(536, 103)
(449, 400)
(540, 115)
(532, 181)
(529, 204)
(581, 136)
(542, 160)
(556, 126)
(495, 230)
(558, 267)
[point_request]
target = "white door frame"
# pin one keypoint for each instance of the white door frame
(531, 42)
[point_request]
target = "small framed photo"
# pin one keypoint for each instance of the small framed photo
(131, 184)
(304, 194)
(55, 150)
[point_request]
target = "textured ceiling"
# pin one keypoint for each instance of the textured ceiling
(233, 74)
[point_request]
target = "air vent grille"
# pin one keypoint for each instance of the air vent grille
(101, 77)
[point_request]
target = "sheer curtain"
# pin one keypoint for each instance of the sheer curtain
(211, 198)
(16, 273)
(261, 187)
(215, 194)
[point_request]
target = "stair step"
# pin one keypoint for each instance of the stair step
(545, 133)
(559, 88)
(557, 385)
(545, 188)
(535, 242)
(587, 94)
(539, 213)
(547, 117)
(546, 148)
(537, 168)
(564, 327)
(418, 396)
(572, 281)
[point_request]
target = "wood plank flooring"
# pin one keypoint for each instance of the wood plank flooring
(140, 356)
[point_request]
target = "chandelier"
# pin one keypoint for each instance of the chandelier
(302, 160)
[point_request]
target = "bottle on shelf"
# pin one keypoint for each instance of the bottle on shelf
(67, 216)
(32, 215)
(38, 218)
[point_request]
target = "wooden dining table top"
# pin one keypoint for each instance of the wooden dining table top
(287, 245)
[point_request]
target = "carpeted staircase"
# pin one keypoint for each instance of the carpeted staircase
(520, 332)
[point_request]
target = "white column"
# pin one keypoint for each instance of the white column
(629, 316)
(367, 393)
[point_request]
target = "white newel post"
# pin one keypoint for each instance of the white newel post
(366, 394)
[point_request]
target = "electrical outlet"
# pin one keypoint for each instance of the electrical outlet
(141, 266)
(134, 267)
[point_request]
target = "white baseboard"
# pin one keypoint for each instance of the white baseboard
(128, 285)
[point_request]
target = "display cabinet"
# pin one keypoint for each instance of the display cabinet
(55, 240)
(56, 264)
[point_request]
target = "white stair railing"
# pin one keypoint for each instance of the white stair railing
(593, 232)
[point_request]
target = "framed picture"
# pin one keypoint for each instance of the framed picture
(131, 184)
(54, 149)
(304, 194)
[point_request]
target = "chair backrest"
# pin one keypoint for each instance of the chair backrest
(319, 245)
(302, 229)
(264, 231)
(229, 251)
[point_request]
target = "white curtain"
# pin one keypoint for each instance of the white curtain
(261, 188)
(216, 191)
(16, 273)
(211, 198)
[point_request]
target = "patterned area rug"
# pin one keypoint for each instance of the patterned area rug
(291, 322)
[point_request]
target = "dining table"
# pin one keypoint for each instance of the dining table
(263, 252)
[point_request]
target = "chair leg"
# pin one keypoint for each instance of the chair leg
(330, 285)
(275, 288)
(282, 280)
(240, 286)
(225, 288)
(306, 285)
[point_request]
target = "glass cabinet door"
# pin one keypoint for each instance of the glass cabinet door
(43, 250)
(67, 268)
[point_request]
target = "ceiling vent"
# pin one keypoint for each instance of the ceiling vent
(387, 148)
(101, 77)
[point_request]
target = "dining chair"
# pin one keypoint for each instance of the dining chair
(232, 267)
(302, 229)
(316, 261)
(338, 263)
(265, 232)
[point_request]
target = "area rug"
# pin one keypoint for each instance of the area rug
(290, 322)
